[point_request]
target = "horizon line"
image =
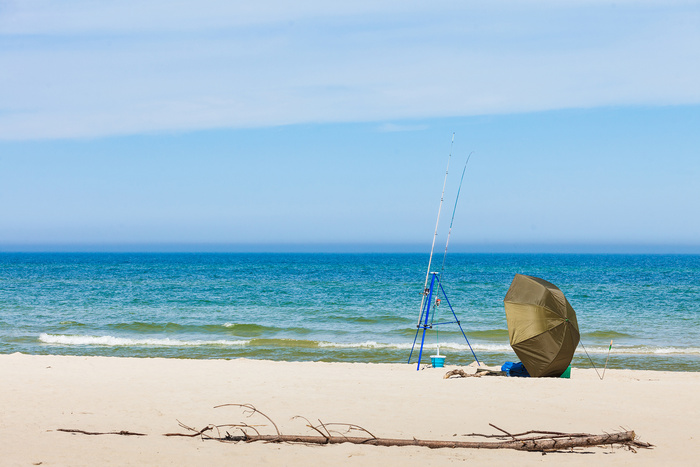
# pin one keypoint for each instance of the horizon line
(351, 247)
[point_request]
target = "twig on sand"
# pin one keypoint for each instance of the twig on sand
(83, 432)
(194, 432)
(253, 411)
(501, 429)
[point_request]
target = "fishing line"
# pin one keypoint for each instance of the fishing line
(432, 248)
(593, 364)
(444, 256)
(449, 232)
(590, 359)
(606, 359)
(437, 327)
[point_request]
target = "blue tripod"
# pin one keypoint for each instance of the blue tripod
(425, 321)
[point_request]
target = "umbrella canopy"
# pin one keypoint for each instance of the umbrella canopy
(542, 325)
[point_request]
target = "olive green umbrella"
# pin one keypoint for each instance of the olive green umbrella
(542, 326)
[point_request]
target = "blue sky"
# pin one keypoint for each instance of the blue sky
(277, 125)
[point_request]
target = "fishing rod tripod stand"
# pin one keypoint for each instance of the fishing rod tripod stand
(426, 319)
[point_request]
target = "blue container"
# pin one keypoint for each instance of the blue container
(438, 361)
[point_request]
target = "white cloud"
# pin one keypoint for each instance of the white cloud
(89, 69)
(394, 127)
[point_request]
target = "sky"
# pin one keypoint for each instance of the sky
(310, 126)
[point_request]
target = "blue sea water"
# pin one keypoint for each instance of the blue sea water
(338, 307)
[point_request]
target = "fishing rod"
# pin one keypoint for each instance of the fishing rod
(432, 248)
(449, 232)
(444, 256)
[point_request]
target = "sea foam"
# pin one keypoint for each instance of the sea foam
(113, 341)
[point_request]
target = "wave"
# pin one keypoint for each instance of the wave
(138, 326)
(258, 329)
(383, 319)
(506, 348)
(248, 326)
(408, 346)
(112, 341)
(646, 350)
(238, 329)
(605, 335)
(497, 335)
(489, 334)
(284, 343)
(72, 324)
(365, 345)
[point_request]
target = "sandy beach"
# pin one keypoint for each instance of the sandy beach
(42, 394)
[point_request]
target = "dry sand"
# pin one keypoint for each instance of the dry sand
(40, 394)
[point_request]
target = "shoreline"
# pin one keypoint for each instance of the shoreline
(456, 356)
(41, 394)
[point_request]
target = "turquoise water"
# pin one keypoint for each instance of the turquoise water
(338, 307)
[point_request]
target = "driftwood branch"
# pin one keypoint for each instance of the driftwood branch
(519, 444)
(525, 444)
(479, 373)
(194, 432)
(541, 441)
(542, 434)
(457, 372)
(83, 432)
(528, 441)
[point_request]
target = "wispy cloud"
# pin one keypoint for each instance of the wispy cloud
(90, 69)
(393, 127)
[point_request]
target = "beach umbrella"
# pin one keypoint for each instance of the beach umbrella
(542, 325)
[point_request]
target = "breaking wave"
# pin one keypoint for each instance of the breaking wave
(113, 341)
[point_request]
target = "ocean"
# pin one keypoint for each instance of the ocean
(339, 307)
